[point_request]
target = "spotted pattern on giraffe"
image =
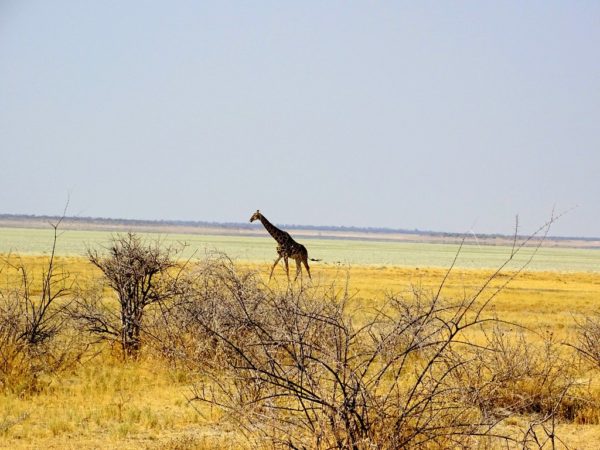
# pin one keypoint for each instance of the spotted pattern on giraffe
(287, 247)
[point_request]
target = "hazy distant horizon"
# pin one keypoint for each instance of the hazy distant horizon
(416, 115)
(292, 226)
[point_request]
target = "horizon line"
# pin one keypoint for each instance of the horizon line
(244, 225)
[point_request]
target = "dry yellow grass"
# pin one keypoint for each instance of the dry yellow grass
(536, 300)
(106, 403)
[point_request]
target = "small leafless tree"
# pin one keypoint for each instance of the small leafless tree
(36, 306)
(140, 274)
(32, 320)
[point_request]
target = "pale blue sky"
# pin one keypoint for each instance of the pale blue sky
(445, 116)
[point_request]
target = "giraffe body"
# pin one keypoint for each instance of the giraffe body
(287, 247)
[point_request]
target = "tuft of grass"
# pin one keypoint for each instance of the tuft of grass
(60, 427)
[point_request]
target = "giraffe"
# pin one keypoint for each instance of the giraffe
(286, 248)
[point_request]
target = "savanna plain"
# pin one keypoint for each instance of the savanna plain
(388, 346)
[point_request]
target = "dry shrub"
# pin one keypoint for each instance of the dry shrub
(587, 346)
(519, 373)
(513, 371)
(294, 368)
(138, 272)
(211, 291)
(588, 339)
(142, 275)
(35, 338)
(25, 367)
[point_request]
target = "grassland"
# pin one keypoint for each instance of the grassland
(330, 251)
(107, 403)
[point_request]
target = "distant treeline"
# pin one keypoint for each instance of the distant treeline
(248, 226)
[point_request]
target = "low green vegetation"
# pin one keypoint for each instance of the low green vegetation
(330, 251)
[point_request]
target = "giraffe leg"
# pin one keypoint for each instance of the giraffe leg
(298, 268)
(287, 267)
(305, 261)
(273, 268)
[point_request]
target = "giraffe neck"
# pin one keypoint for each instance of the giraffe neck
(277, 234)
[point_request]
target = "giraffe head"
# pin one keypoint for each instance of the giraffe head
(255, 216)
